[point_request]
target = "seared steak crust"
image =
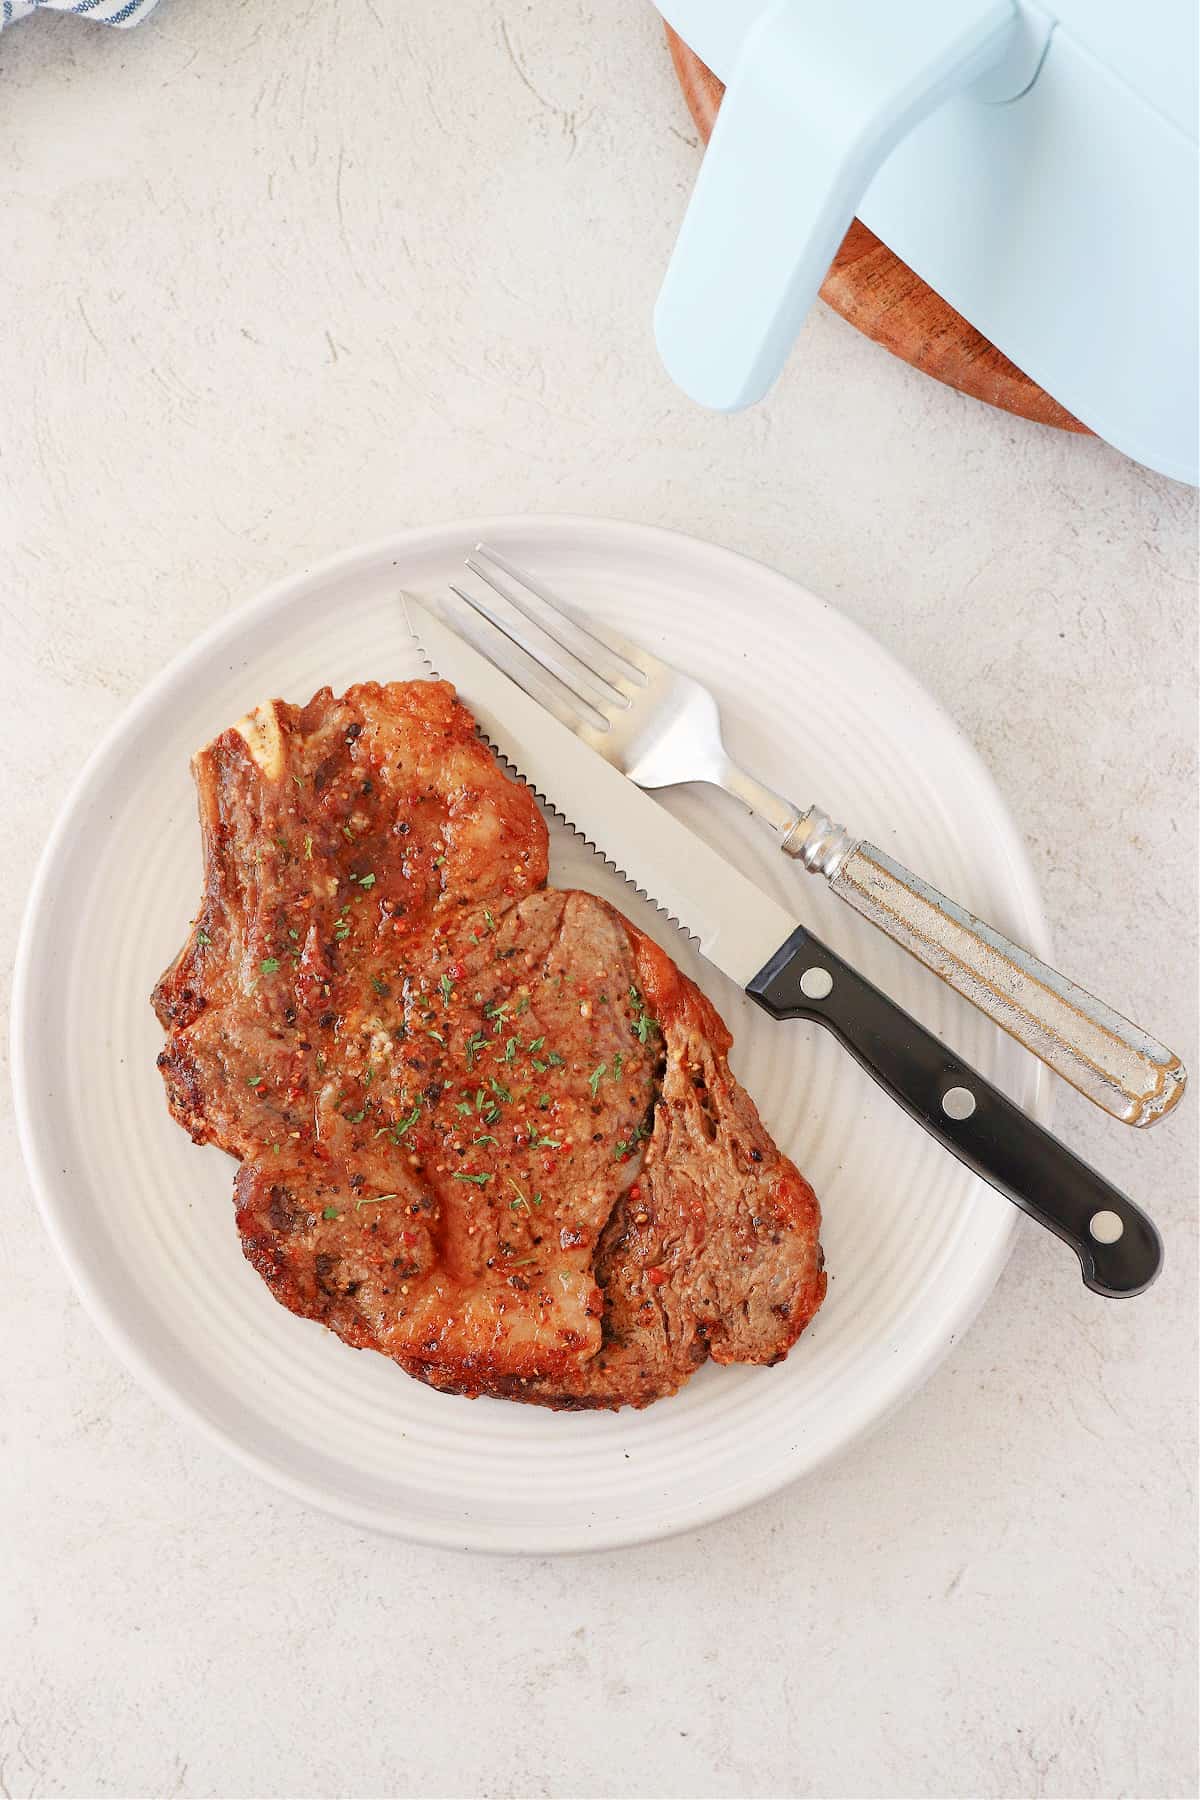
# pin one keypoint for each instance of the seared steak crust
(484, 1127)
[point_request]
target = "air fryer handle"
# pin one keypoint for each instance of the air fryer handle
(1118, 1247)
(816, 98)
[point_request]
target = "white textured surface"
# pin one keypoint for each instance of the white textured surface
(332, 270)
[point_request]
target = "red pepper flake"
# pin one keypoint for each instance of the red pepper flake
(657, 1276)
(635, 1192)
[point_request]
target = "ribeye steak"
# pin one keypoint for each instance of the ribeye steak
(485, 1126)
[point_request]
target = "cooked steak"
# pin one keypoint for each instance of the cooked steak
(485, 1126)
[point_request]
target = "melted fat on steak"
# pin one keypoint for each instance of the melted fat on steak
(485, 1127)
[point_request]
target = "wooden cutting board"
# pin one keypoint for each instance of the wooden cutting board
(883, 298)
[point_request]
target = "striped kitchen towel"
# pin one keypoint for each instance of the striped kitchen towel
(105, 12)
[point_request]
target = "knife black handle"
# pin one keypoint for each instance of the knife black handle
(1119, 1250)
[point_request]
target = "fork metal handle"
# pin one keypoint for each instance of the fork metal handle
(1112, 1061)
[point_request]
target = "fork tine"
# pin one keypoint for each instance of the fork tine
(582, 638)
(489, 636)
(547, 646)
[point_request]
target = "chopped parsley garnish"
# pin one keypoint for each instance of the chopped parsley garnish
(643, 1024)
(446, 986)
(364, 881)
(437, 1037)
(555, 1061)
(381, 987)
(544, 1143)
(331, 1212)
(510, 1050)
(308, 844)
(500, 1091)
(626, 1147)
(358, 1117)
(406, 1124)
(521, 1201)
(253, 1081)
(475, 1043)
(475, 1180)
(535, 1043)
(596, 1077)
(202, 937)
(374, 1200)
(269, 964)
(485, 1137)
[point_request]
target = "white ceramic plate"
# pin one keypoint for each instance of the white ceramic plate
(145, 1222)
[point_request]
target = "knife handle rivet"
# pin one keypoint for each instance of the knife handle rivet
(958, 1103)
(1106, 1227)
(816, 984)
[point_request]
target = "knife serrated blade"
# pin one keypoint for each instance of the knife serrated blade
(791, 975)
(739, 928)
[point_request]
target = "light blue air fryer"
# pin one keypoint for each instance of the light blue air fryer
(1037, 166)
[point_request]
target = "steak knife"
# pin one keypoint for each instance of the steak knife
(788, 972)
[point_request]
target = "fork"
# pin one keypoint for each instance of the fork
(660, 728)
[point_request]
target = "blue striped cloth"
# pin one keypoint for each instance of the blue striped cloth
(105, 12)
